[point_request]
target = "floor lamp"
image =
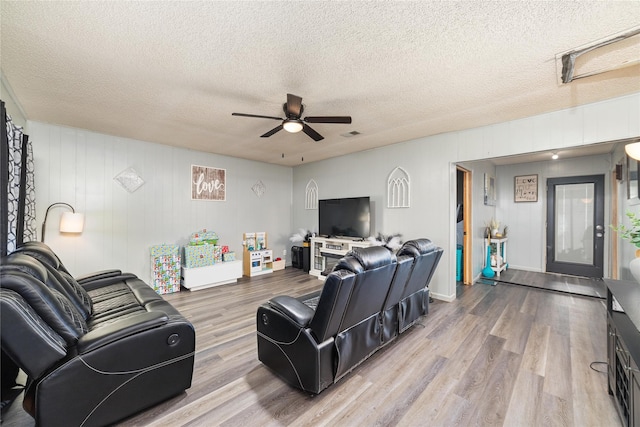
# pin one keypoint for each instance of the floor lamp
(70, 222)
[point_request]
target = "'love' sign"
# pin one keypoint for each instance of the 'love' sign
(208, 183)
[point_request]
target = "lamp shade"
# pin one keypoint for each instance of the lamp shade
(633, 150)
(71, 222)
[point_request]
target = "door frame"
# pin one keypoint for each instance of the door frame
(597, 269)
(467, 187)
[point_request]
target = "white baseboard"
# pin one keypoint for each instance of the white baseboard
(445, 298)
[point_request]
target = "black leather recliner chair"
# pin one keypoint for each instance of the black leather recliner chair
(414, 300)
(94, 352)
(367, 300)
(311, 349)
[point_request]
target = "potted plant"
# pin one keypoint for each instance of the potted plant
(632, 234)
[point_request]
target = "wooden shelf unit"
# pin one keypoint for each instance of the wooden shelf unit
(501, 253)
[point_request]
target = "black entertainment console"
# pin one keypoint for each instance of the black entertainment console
(623, 348)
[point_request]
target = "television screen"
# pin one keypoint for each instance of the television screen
(349, 217)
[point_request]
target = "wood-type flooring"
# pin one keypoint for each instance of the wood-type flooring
(496, 356)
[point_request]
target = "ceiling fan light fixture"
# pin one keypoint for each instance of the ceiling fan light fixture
(292, 125)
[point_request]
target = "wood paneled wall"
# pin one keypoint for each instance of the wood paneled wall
(78, 167)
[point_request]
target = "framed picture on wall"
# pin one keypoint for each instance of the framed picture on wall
(208, 183)
(489, 190)
(526, 188)
(633, 189)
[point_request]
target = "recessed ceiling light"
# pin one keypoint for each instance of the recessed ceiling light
(554, 156)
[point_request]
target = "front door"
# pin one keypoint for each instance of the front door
(575, 225)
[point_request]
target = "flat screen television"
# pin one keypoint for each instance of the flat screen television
(348, 217)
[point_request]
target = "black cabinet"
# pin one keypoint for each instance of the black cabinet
(623, 348)
(300, 258)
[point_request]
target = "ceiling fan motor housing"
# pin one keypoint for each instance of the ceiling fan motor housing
(292, 115)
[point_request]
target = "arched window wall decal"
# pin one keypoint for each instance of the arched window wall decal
(311, 195)
(399, 189)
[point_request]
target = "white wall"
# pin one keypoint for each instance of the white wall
(78, 167)
(11, 105)
(429, 163)
(527, 221)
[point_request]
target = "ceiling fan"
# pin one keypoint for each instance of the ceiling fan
(293, 123)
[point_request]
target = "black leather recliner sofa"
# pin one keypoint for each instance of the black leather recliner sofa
(368, 299)
(96, 349)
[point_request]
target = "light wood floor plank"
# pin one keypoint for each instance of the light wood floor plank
(500, 355)
(526, 399)
(535, 353)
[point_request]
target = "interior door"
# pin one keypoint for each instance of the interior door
(575, 225)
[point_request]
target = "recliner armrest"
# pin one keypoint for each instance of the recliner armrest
(119, 329)
(89, 277)
(292, 308)
(106, 281)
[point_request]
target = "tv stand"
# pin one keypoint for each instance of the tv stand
(326, 251)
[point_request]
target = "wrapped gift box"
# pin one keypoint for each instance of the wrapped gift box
(203, 237)
(165, 249)
(228, 256)
(202, 255)
(165, 268)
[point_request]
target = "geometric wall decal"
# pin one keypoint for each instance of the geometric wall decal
(129, 180)
(398, 189)
(259, 188)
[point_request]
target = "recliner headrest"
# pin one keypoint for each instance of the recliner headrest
(349, 263)
(417, 247)
(25, 264)
(372, 257)
(41, 252)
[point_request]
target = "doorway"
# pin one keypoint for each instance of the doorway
(575, 225)
(463, 225)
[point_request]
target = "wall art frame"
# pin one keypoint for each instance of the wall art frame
(399, 189)
(489, 190)
(208, 183)
(525, 188)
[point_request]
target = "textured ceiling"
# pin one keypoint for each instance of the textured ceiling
(173, 72)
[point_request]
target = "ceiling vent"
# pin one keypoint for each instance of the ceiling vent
(608, 54)
(350, 134)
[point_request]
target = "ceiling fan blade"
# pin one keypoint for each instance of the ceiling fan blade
(256, 115)
(328, 119)
(294, 105)
(272, 131)
(312, 133)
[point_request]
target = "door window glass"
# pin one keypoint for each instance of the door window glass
(574, 223)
